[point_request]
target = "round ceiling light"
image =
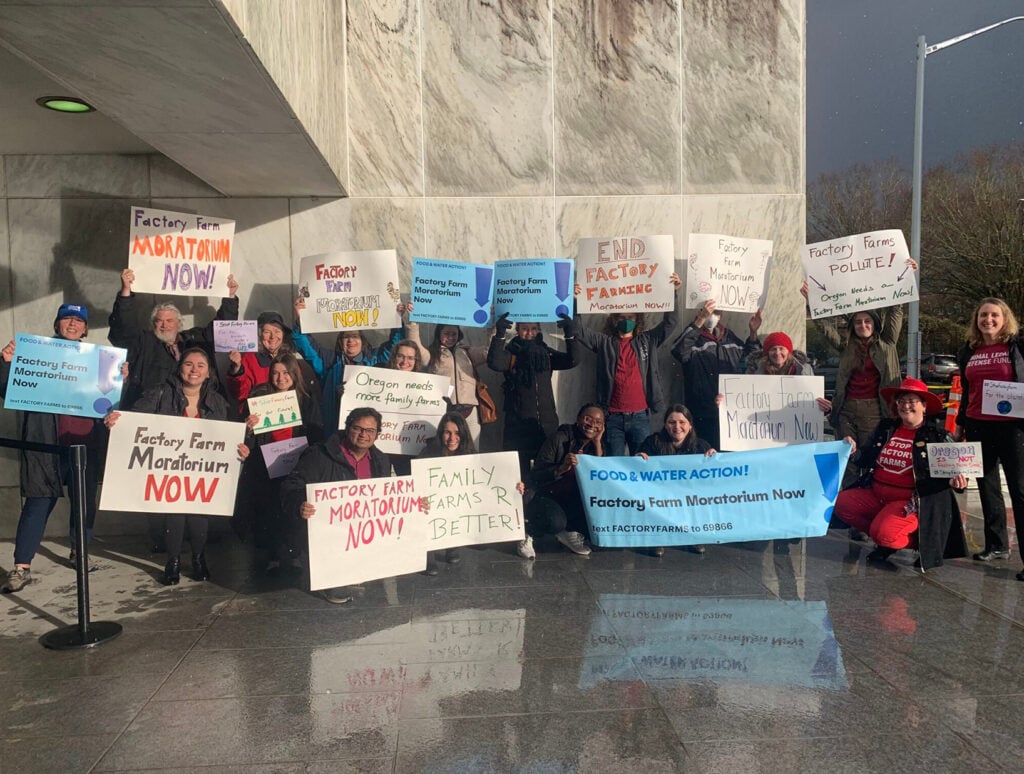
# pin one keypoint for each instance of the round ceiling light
(65, 104)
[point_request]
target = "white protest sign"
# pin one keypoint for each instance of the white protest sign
(864, 271)
(276, 410)
(179, 254)
(473, 499)
(763, 412)
(1002, 399)
(160, 464)
(946, 460)
(235, 335)
(410, 404)
(348, 291)
(625, 274)
(280, 457)
(731, 270)
(364, 530)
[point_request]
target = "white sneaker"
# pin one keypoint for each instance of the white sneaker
(574, 542)
(525, 548)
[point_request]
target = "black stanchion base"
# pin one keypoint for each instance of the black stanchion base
(70, 637)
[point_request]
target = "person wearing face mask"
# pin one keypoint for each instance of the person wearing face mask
(706, 350)
(530, 414)
(43, 476)
(350, 348)
(628, 376)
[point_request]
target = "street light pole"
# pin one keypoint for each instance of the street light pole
(914, 315)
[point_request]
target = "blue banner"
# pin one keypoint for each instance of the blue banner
(57, 376)
(452, 292)
(767, 494)
(533, 289)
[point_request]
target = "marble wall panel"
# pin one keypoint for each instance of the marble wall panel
(743, 103)
(167, 178)
(779, 218)
(487, 98)
(384, 97)
(617, 97)
(54, 177)
(8, 419)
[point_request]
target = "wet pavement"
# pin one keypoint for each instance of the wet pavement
(764, 657)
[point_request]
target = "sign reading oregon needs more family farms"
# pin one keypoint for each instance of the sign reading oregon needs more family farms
(473, 499)
(179, 254)
(533, 289)
(763, 412)
(767, 494)
(57, 376)
(347, 291)
(625, 274)
(452, 292)
(160, 464)
(864, 271)
(731, 270)
(364, 530)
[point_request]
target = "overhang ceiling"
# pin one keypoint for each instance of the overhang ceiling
(175, 76)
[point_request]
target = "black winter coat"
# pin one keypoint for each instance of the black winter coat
(704, 358)
(169, 400)
(528, 393)
(320, 464)
(660, 445)
(565, 440)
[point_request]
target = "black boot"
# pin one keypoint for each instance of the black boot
(172, 572)
(199, 569)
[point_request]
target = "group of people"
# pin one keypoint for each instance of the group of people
(888, 493)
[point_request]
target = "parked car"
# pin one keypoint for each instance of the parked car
(935, 368)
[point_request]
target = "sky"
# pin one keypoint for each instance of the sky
(861, 71)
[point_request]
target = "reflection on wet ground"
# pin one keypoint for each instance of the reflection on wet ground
(778, 656)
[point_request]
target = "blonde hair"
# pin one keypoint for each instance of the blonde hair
(1010, 327)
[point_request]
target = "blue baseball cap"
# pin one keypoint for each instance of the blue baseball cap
(73, 310)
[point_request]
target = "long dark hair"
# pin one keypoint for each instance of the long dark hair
(435, 346)
(691, 442)
(466, 445)
(291, 365)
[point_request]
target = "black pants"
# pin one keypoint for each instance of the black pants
(548, 516)
(1001, 442)
(526, 437)
(174, 533)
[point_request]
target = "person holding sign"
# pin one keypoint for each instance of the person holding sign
(153, 353)
(347, 455)
(628, 377)
(43, 476)
(404, 357)
(273, 532)
(778, 358)
(869, 363)
(186, 393)
(994, 351)
(706, 350)
(896, 501)
(350, 348)
(528, 363)
(678, 436)
(556, 508)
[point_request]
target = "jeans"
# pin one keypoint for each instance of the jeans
(547, 516)
(623, 429)
(1001, 442)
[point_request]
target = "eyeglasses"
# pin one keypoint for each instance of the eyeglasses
(909, 401)
(591, 423)
(369, 432)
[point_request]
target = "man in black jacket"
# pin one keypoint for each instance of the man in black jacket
(347, 455)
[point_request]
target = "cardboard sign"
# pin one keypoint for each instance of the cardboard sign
(159, 464)
(763, 412)
(452, 292)
(410, 404)
(347, 291)
(179, 254)
(57, 376)
(864, 271)
(364, 530)
(731, 270)
(768, 494)
(946, 460)
(473, 499)
(280, 457)
(626, 274)
(533, 290)
(276, 411)
(1002, 399)
(235, 335)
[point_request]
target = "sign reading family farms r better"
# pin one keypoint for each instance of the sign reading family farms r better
(160, 464)
(347, 291)
(179, 254)
(364, 530)
(731, 270)
(410, 404)
(864, 271)
(690, 499)
(762, 412)
(625, 274)
(473, 499)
